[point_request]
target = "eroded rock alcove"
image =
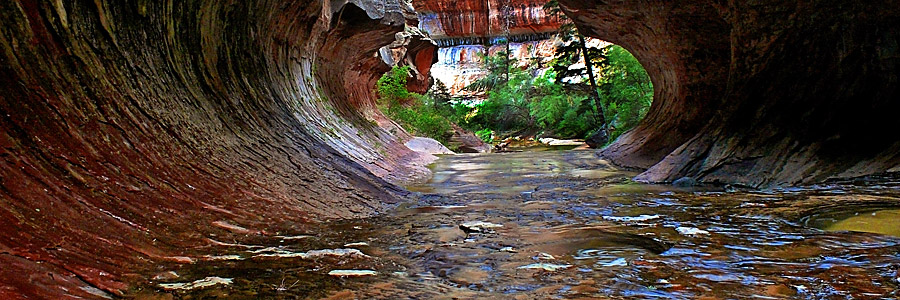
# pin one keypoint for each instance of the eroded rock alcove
(134, 131)
(758, 93)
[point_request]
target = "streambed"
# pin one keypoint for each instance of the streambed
(566, 224)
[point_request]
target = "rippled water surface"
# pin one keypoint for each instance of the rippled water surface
(566, 225)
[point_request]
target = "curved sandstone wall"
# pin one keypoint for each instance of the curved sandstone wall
(134, 130)
(758, 93)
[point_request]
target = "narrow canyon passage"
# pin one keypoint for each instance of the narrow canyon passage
(140, 138)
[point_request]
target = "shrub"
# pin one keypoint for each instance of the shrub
(418, 114)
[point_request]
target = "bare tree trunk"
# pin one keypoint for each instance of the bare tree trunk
(595, 95)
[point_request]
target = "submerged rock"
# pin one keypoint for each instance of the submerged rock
(316, 253)
(691, 231)
(545, 256)
(545, 267)
(478, 227)
(685, 182)
(352, 273)
(640, 218)
(202, 283)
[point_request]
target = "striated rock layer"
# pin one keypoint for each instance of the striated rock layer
(472, 22)
(758, 93)
(134, 130)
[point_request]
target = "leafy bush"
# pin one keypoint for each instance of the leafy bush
(486, 135)
(418, 114)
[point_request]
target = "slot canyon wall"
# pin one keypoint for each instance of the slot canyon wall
(142, 131)
(758, 93)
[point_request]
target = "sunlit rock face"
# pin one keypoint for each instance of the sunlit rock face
(415, 49)
(467, 29)
(136, 132)
(460, 66)
(477, 21)
(758, 93)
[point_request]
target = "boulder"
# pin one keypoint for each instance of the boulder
(428, 146)
(466, 142)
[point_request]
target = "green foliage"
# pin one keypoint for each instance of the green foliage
(625, 90)
(518, 100)
(499, 69)
(526, 102)
(486, 135)
(567, 113)
(391, 86)
(418, 114)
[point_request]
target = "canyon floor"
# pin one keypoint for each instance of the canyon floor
(568, 225)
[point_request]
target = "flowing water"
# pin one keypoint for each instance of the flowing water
(566, 225)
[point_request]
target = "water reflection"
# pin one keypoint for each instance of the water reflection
(881, 221)
(574, 226)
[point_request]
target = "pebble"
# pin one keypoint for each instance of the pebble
(478, 226)
(800, 288)
(545, 256)
(223, 257)
(546, 267)
(691, 231)
(640, 218)
(170, 275)
(317, 253)
(352, 273)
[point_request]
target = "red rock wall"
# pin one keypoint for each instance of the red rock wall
(758, 93)
(484, 18)
(133, 131)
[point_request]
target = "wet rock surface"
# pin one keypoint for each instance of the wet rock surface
(575, 227)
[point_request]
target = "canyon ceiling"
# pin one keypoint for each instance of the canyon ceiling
(134, 130)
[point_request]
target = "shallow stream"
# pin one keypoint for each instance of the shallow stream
(566, 225)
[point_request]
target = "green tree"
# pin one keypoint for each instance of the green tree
(625, 89)
(567, 55)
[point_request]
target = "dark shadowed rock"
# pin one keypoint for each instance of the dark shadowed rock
(684, 182)
(598, 139)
